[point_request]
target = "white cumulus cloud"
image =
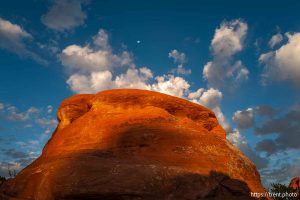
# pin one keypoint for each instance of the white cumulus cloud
(95, 67)
(227, 41)
(65, 15)
(91, 67)
(171, 85)
(245, 118)
(13, 37)
(180, 59)
(94, 57)
(275, 39)
(177, 56)
(181, 70)
(283, 63)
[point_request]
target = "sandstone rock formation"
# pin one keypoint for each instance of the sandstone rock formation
(295, 183)
(135, 144)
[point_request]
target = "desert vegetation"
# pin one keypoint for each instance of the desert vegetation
(281, 188)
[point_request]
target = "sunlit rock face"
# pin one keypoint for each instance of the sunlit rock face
(135, 144)
(295, 183)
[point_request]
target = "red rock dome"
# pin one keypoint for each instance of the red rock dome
(135, 144)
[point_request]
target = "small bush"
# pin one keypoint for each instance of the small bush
(281, 188)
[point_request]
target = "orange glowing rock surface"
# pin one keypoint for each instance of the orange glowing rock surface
(135, 144)
(295, 183)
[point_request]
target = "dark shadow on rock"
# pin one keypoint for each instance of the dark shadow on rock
(142, 163)
(190, 186)
(132, 181)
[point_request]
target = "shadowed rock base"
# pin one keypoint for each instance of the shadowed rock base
(128, 181)
(135, 144)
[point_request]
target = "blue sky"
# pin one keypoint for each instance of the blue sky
(238, 58)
